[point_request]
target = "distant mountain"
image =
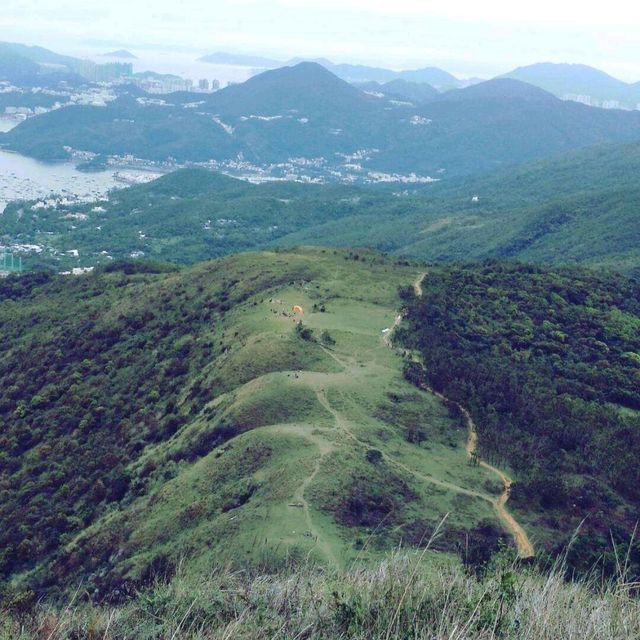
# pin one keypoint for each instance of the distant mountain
(500, 123)
(35, 66)
(39, 54)
(120, 53)
(418, 92)
(307, 89)
(439, 79)
(240, 60)
(578, 80)
(307, 112)
(354, 73)
(16, 68)
(500, 89)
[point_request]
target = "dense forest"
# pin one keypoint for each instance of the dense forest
(548, 363)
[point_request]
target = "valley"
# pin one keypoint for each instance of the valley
(576, 209)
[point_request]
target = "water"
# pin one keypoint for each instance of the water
(180, 64)
(23, 178)
(6, 124)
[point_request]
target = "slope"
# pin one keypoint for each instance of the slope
(578, 80)
(545, 362)
(184, 417)
(580, 208)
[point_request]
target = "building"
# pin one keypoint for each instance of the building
(203, 85)
(582, 99)
(109, 72)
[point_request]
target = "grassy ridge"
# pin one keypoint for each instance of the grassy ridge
(184, 417)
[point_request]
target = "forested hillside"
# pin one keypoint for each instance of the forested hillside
(184, 217)
(580, 208)
(548, 364)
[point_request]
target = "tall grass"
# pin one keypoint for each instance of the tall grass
(405, 597)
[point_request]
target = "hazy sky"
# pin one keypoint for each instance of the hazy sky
(466, 37)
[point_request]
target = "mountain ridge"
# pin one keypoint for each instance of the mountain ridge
(307, 112)
(579, 81)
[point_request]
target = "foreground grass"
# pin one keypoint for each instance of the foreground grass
(401, 598)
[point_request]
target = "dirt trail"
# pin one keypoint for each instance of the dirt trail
(523, 544)
(299, 495)
(417, 285)
(325, 447)
(525, 548)
(321, 381)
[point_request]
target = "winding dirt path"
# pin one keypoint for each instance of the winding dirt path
(344, 427)
(417, 285)
(325, 449)
(523, 544)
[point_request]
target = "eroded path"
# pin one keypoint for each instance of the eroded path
(324, 449)
(523, 544)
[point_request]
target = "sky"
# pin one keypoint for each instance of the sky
(468, 38)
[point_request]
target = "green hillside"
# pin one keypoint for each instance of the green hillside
(254, 413)
(159, 418)
(184, 217)
(579, 208)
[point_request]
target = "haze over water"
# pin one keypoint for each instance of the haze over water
(183, 64)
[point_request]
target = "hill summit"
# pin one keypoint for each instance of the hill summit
(307, 88)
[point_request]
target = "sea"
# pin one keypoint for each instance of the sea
(23, 178)
(185, 65)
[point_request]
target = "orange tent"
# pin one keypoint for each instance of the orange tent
(297, 309)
